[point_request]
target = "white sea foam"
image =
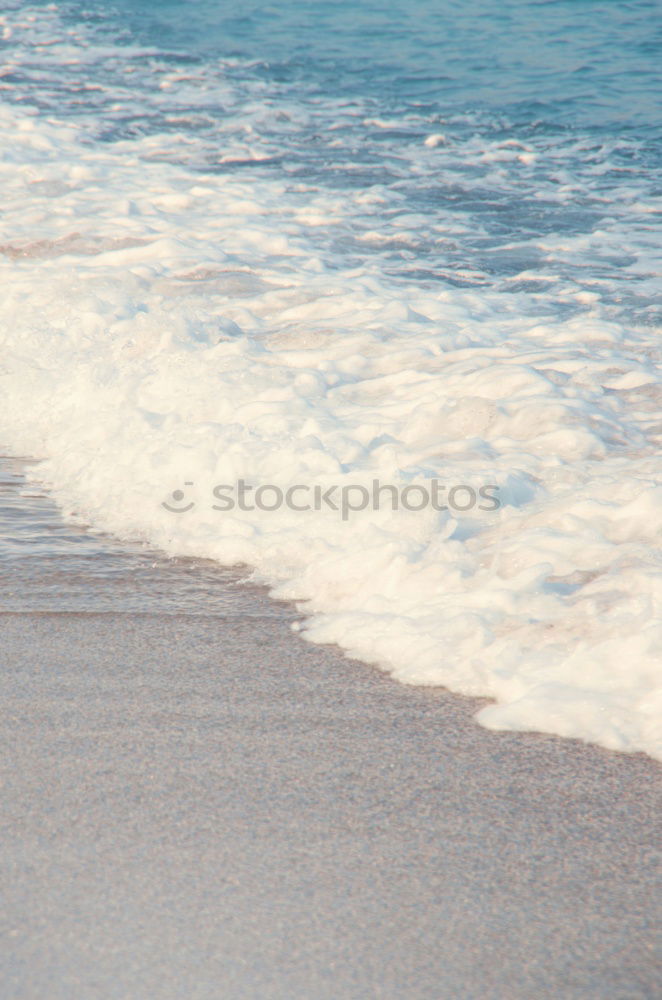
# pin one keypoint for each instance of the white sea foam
(166, 324)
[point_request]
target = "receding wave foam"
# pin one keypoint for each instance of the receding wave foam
(168, 327)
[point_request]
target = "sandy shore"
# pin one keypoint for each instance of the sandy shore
(202, 805)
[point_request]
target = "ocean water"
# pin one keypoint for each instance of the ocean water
(53, 566)
(361, 253)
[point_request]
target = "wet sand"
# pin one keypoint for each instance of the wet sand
(198, 804)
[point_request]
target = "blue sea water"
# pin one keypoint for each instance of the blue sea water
(577, 82)
(559, 63)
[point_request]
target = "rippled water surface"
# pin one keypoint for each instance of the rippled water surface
(49, 565)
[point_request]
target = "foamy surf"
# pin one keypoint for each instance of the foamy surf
(172, 325)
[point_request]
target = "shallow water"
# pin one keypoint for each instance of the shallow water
(49, 565)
